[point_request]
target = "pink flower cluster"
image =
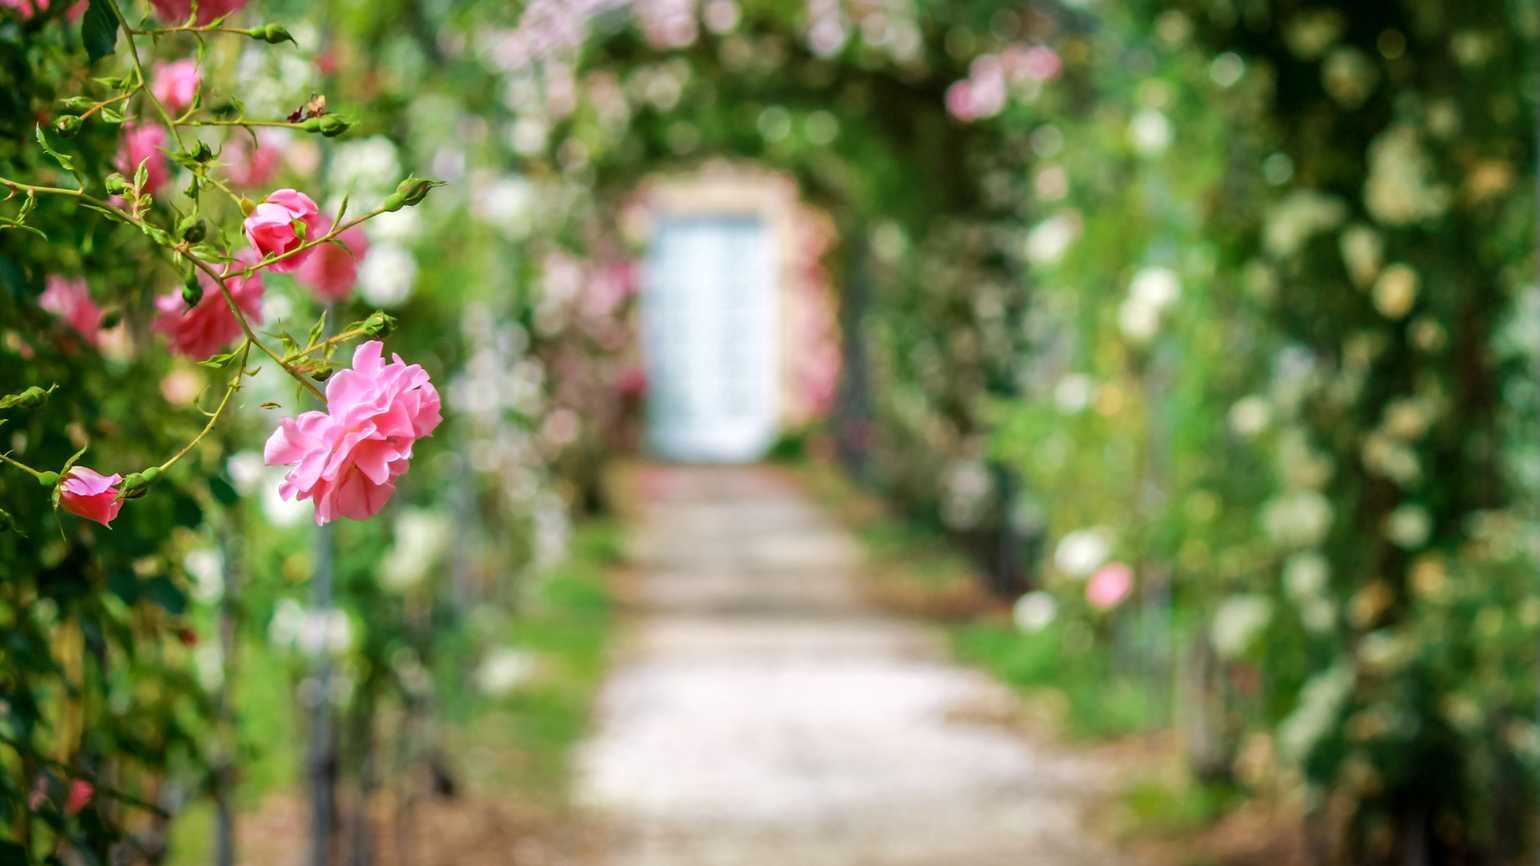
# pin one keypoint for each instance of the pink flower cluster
(176, 83)
(28, 8)
(984, 92)
(71, 301)
(209, 326)
(331, 270)
(347, 459)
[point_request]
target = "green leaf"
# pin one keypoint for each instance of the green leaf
(316, 330)
(224, 491)
(99, 30)
(28, 398)
(66, 162)
(219, 362)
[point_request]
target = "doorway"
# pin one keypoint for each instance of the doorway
(709, 336)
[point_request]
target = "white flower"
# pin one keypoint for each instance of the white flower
(280, 511)
(1297, 217)
(1237, 623)
(1395, 291)
(1139, 322)
(1305, 575)
(1362, 251)
(1074, 393)
(1297, 519)
(1400, 189)
(386, 275)
(395, 226)
(1320, 702)
(246, 470)
(206, 567)
(1249, 416)
(507, 204)
(1157, 287)
(1150, 132)
(504, 670)
(312, 632)
(209, 664)
(366, 166)
(1034, 611)
(1050, 239)
(1310, 33)
(1409, 526)
(1083, 551)
(421, 538)
(1349, 76)
(967, 495)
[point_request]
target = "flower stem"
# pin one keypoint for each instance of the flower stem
(144, 80)
(219, 411)
(20, 465)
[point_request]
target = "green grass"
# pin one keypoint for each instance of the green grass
(1099, 702)
(530, 735)
(1177, 810)
(520, 745)
(903, 551)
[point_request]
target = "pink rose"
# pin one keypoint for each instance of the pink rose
(71, 301)
(1043, 63)
(209, 326)
(251, 166)
(92, 495)
(142, 143)
(1109, 586)
(176, 11)
(28, 8)
(271, 227)
(176, 83)
(330, 271)
(349, 457)
(959, 101)
(80, 794)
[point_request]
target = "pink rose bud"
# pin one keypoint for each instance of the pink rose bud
(71, 301)
(208, 326)
(347, 459)
(176, 83)
(331, 271)
(79, 797)
(144, 143)
(92, 495)
(1109, 586)
(271, 227)
(176, 11)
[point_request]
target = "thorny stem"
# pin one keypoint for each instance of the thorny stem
(239, 121)
(217, 276)
(20, 465)
(104, 103)
(219, 411)
(195, 29)
(144, 81)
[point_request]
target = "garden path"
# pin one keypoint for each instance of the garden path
(764, 713)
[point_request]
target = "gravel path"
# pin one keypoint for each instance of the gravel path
(764, 714)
